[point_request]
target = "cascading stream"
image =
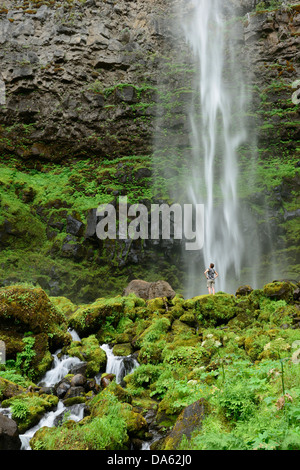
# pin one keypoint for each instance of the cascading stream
(62, 365)
(119, 365)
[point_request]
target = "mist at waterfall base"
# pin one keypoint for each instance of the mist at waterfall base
(206, 154)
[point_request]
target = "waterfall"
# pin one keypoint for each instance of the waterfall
(62, 365)
(216, 135)
(60, 368)
(203, 140)
(119, 365)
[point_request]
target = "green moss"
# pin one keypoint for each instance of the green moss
(124, 349)
(104, 429)
(88, 350)
(28, 408)
(279, 290)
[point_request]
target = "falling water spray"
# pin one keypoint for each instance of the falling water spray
(215, 136)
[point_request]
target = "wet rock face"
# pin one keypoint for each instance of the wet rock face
(60, 68)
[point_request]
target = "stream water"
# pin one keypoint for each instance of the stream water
(62, 365)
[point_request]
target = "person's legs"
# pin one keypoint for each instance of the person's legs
(209, 286)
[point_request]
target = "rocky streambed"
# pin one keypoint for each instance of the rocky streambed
(67, 381)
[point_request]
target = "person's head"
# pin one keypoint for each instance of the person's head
(211, 265)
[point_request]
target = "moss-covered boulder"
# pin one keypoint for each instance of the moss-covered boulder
(123, 349)
(245, 313)
(104, 313)
(136, 424)
(188, 421)
(9, 389)
(28, 408)
(66, 306)
(243, 290)
(280, 290)
(89, 351)
(28, 311)
(212, 310)
(24, 309)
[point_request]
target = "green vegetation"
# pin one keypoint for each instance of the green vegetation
(237, 354)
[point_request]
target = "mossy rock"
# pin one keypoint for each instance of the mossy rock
(89, 319)
(125, 337)
(245, 313)
(157, 305)
(243, 290)
(64, 305)
(177, 311)
(74, 401)
(279, 290)
(24, 309)
(212, 310)
(190, 419)
(188, 318)
(9, 389)
(136, 424)
(254, 343)
(124, 349)
(216, 309)
(33, 407)
(180, 328)
(13, 342)
(88, 350)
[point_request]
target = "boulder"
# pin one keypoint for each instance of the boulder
(78, 380)
(243, 290)
(149, 290)
(106, 379)
(9, 435)
(280, 290)
(9, 389)
(190, 418)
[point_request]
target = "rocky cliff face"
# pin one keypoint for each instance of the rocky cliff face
(80, 83)
(74, 75)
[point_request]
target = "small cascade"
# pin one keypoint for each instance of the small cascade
(47, 420)
(53, 418)
(61, 366)
(5, 412)
(119, 365)
(74, 334)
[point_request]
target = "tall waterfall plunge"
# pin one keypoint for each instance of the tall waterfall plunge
(216, 138)
(214, 130)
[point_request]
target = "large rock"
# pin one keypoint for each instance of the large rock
(280, 290)
(9, 435)
(24, 309)
(149, 290)
(190, 418)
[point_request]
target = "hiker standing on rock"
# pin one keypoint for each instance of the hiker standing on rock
(211, 274)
